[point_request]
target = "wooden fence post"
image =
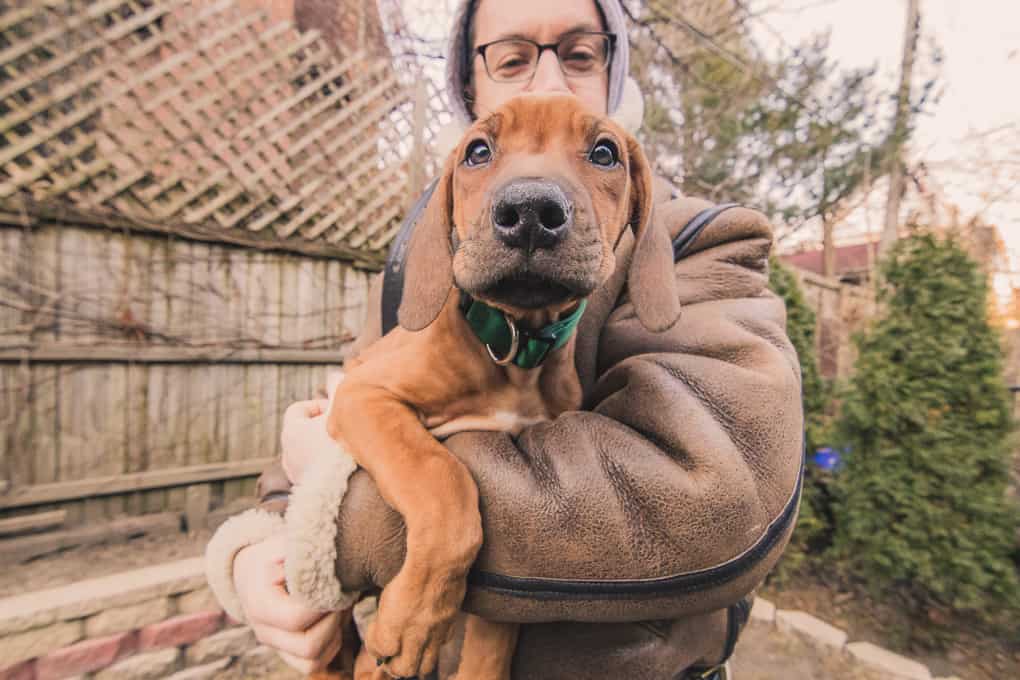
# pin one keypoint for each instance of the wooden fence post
(196, 508)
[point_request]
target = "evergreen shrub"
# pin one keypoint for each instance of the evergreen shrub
(921, 511)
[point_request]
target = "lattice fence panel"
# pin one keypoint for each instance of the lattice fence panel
(220, 114)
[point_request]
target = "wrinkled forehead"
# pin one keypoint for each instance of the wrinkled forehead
(536, 124)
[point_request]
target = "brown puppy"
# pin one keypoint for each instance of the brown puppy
(526, 218)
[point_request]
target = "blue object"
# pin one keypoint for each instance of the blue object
(827, 459)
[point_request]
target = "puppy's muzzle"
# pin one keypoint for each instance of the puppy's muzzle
(531, 214)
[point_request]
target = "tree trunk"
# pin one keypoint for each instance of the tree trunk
(829, 246)
(897, 176)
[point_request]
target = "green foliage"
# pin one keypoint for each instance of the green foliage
(795, 136)
(922, 510)
(800, 327)
(813, 525)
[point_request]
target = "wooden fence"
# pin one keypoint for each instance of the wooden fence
(193, 195)
(134, 366)
(841, 310)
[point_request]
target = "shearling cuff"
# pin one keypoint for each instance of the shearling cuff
(311, 522)
(237, 533)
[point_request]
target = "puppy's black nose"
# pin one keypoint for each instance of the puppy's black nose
(531, 214)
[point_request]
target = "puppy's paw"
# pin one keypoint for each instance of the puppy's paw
(414, 620)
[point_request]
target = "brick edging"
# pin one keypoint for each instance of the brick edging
(829, 638)
(157, 622)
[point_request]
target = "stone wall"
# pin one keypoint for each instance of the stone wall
(163, 622)
(158, 622)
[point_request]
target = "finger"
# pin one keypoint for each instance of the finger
(303, 666)
(322, 406)
(302, 410)
(332, 649)
(316, 665)
(277, 608)
(308, 644)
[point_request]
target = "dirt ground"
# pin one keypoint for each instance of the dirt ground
(762, 654)
(80, 564)
(968, 654)
(765, 654)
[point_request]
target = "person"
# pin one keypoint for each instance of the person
(627, 538)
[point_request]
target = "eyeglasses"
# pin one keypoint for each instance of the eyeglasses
(515, 60)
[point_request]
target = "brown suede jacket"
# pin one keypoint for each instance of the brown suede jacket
(623, 535)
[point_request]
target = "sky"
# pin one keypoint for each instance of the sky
(980, 86)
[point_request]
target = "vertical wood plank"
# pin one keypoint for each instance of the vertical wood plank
(44, 255)
(157, 314)
(201, 401)
(138, 273)
(239, 438)
(13, 271)
(137, 427)
(168, 384)
(114, 285)
(180, 411)
(291, 307)
(262, 319)
(72, 261)
(73, 413)
(45, 432)
(16, 445)
(334, 304)
(355, 299)
(302, 299)
(15, 417)
(313, 302)
(111, 425)
(197, 506)
(265, 293)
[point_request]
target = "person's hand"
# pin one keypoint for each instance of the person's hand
(307, 640)
(304, 437)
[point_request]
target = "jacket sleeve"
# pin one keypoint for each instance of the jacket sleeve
(675, 490)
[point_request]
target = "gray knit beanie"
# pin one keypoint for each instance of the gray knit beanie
(621, 92)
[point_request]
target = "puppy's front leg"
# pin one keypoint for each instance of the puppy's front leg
(488, 649)
(438, 500)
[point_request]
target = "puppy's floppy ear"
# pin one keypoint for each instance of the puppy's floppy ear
(651, 281)
(428, 274)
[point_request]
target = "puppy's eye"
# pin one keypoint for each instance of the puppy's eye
(478, 153)
(604, 154)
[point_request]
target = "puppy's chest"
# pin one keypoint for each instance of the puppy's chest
(507, 408)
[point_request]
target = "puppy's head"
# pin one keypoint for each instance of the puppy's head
(528, 212)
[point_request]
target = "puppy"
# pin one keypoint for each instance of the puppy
(522, 228)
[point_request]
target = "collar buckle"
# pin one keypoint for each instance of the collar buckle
(515, 344)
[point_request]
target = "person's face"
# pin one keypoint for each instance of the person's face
(544, 22)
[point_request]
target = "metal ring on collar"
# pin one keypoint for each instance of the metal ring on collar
(515, 342)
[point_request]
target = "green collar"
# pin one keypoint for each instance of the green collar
(508, 344)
